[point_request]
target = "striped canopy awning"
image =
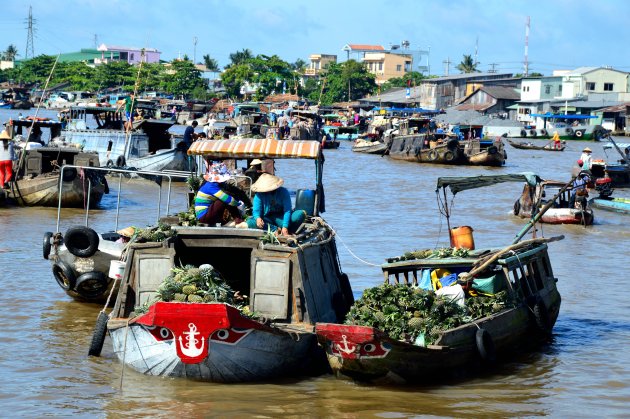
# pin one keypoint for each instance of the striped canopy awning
(253, 148)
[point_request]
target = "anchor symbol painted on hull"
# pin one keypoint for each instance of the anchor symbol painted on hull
(346, 349)
(189, 347)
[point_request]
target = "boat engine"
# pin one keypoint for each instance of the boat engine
(604, 187)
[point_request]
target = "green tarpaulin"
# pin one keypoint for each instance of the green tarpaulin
(457, 183)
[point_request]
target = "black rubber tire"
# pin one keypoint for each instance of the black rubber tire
(98, 336)
(579, 133)
(523, 133)
(493, 150)
(81, 241)
(91, 285)
(69, 174)
(109, 163)
(432, 155)
(121, 161)
(532, 133)
(517, 207)
(485, 345)
(64, 275)
(541, 317)
(46, 245)
(449, 155)
(569, 131)
(543, 132)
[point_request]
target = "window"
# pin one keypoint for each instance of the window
(380, 66)
(526, 88)
(590, 86)
(398, 67)
(131, 57)
(608, 87)
(560, 88)
(547, 89)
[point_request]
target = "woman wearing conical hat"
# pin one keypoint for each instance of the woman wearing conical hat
(272, 207)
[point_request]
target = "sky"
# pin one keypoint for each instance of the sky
(564, 34)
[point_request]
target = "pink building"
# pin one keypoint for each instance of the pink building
(132, 55)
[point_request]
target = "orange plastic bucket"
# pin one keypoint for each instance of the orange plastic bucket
(462, 237)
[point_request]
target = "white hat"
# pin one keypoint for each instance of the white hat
(4, 135)
(588, 150)
(267, 183)
(255, 162)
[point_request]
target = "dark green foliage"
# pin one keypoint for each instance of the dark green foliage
(432, 254)
(404, 313)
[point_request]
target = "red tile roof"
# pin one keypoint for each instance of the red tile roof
(361, 47)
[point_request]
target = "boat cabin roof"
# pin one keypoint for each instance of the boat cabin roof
(39, 122)
(253, 148)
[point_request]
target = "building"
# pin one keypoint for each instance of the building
(319, 63)
(587, 80)
(443, 92)
(385, 65)
(131, 55)
(85, 55)
(495, 100)
(359, 50)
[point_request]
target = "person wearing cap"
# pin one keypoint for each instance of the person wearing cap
(272, 207)
(579, 186)
(7, 156)
(587, 159)
(212, 204)
(254, 170)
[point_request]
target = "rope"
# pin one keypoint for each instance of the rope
(344, 244)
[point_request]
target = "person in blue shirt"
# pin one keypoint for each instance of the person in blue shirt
(189, 134)
(213, 205)
(272, 207)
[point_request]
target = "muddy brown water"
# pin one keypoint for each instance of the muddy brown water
(380, 208)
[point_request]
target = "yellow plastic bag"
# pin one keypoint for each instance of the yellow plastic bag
(436, 275)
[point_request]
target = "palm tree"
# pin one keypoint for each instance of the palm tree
(10, 53)
(210, 63)
(467, 65)
(299, 65)
(240, 56)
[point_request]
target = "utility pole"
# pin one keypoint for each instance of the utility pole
(195, 50)
(476, 63)
(526, 70)
(95, 41)
(30, 22)
(447, 64)
(493, 65)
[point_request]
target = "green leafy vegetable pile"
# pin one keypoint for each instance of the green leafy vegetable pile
(405, 313)
(197, 285)
(432, 254)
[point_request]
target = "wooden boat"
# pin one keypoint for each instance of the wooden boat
(415, 141)
(81, 257)
(618, 171)
(293, 284)
(369, 146)
(533, 197)
(522, 269)
(149, 147)
(39, 178)
(485, 152)
(523, 145)
(621, 205)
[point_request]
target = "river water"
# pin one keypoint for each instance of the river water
(380, 208)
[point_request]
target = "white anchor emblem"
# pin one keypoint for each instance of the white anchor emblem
(346, 349)
(189, 347)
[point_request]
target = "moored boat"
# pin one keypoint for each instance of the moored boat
(369, 146)
(292, 283)
(528, 145)
(362, 350)
(485, 152)
(40, 179)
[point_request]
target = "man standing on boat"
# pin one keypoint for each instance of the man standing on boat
(128, 103)
(587, 159)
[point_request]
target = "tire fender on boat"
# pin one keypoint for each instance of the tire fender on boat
(532, 133)
(121, 161)
(543, 132)
(81, 241)
(579, 133)
(98, 336)
(46, 244)
(449, 155)
(109, 163)
(433, 155)
(541, 316)
(91, 285)
(69, 174)
(64, 275)
(569, 131)
(485, 345)
(523, 133)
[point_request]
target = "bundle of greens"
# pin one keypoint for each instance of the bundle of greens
(196, 285)
(405, 313)
(188, 218)
(157, 233)
(432, 254)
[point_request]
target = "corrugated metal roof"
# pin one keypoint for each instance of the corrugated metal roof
(616, 108)
(502, 92)
(363, 47)
(474, 106)
(467, 76)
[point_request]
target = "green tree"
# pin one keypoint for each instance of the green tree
(268, 73)
(299, 65)
(115, 73)
(413, 78)
(182, 78)
(347, 81)
(467, 65)
(240, 57)
(78, 74)
(35, 70)
(234, 77)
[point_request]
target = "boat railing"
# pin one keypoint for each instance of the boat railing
(121, 173)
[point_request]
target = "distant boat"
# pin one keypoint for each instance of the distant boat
(524, 145)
